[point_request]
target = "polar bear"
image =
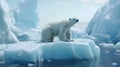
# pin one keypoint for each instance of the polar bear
(60, 29)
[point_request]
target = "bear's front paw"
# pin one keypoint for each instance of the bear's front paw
(71, 40)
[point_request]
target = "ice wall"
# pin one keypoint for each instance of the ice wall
(105, 25)
(7, 29)
(26, 15)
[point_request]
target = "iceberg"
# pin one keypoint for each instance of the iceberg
(105, 24)
(26, 15)
(7, 28)
(32, 51)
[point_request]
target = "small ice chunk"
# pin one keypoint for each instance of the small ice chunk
(107, 45)
(117, 46)
(30, 65)
(114, 64)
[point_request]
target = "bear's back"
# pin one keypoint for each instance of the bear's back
(57, 26)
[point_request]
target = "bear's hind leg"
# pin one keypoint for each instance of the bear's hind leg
(46, 35)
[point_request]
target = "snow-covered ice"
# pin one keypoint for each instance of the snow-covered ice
(32, 51)
(105, 24)
(7, 29)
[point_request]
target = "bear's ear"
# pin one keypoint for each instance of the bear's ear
(69, 18)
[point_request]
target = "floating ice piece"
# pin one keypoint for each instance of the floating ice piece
(114, 64)
(33, 52)
(107, 45)
(117, 47)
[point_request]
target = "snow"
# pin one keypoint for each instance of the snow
(105, 24)
(33, 51)
(6, 24)
(26, 15)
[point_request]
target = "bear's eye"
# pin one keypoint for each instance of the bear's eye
(69, 18)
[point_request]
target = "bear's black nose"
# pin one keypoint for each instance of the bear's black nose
(77, 20)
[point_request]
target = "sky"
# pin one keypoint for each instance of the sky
(56, 10)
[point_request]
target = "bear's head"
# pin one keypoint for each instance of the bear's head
(73, 21)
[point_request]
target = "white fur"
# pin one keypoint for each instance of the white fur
(60, 29)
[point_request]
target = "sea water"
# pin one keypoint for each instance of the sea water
(108, 58)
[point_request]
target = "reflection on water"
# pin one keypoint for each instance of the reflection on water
(108, 58)
(78, 63)
(56, 63)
